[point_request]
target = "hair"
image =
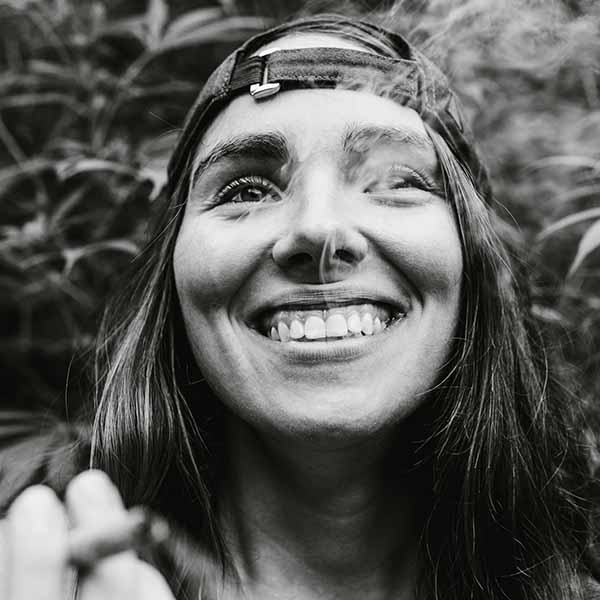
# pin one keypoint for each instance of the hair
(506, 511)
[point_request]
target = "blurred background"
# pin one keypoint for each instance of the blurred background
(93, 93)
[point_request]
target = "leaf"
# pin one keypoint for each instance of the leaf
(587, 244)
(569, 161)
(582, 191)
(29, 168)
(578, 217)
(73, 255)
(69, 168)
(157, 16)
(66, 206)
(22, 80)
(547, 314)
(130, 27)
(216, 31)
(190, 21)
(34, 230)
(22, 100)
(157, 177)
(53, 70)
(159, 147)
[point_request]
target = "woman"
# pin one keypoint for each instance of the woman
(323, 368)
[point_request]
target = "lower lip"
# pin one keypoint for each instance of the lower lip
(342, 349)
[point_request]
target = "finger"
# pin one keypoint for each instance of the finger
(93, 502)
(152, 585)
(37, 541)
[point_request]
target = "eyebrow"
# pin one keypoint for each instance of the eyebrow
(270, 146)
(273, 146)
(359, 139)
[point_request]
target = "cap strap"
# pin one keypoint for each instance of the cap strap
(323, 67)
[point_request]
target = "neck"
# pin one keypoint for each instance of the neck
(314, 520)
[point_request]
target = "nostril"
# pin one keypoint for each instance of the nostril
(299, 259)
(344, 255)
(319, 253)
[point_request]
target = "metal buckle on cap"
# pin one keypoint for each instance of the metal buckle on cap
(264, 89)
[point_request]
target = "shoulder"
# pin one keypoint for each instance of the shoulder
(37, 449)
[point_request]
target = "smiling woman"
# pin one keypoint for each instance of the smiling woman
(323, 367)
(337, 231)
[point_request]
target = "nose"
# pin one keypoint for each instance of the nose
(322, 245)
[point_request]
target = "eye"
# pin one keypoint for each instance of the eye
(400, 178)
(248, 189)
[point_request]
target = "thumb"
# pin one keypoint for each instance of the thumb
(37, 545)
(92, 500)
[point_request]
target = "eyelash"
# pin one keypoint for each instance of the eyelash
(235, 187)
(227, 194)
(411, 177)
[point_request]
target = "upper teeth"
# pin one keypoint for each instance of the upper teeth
(338, 322)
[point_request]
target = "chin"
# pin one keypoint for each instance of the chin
(334, 416)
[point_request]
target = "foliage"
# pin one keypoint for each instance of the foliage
(529, 74)
(92, 94)
(91, 99)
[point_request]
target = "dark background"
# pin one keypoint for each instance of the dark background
(92, 94)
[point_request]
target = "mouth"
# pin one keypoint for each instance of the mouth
(330, 321)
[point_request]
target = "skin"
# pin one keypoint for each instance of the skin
(310, 506)
(34, 547)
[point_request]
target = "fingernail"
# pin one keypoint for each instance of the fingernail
(38, 505)
(95, 488)
(37, 525)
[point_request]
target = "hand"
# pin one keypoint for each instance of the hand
(34, 548)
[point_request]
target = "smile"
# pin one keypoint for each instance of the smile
(334, 322)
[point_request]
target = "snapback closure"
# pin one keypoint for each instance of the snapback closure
(264, 89)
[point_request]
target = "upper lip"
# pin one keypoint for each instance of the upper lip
(300, 298)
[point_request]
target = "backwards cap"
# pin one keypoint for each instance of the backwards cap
(406, 77)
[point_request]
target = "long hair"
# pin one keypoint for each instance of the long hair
(509, 515)
(506, 510)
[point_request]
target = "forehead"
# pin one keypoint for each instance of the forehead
(305, 39)
(316, 121)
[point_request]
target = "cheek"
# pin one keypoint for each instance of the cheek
(210, 264)
(426, 249)
(211, 261)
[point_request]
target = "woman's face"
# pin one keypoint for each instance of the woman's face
(317, 266)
